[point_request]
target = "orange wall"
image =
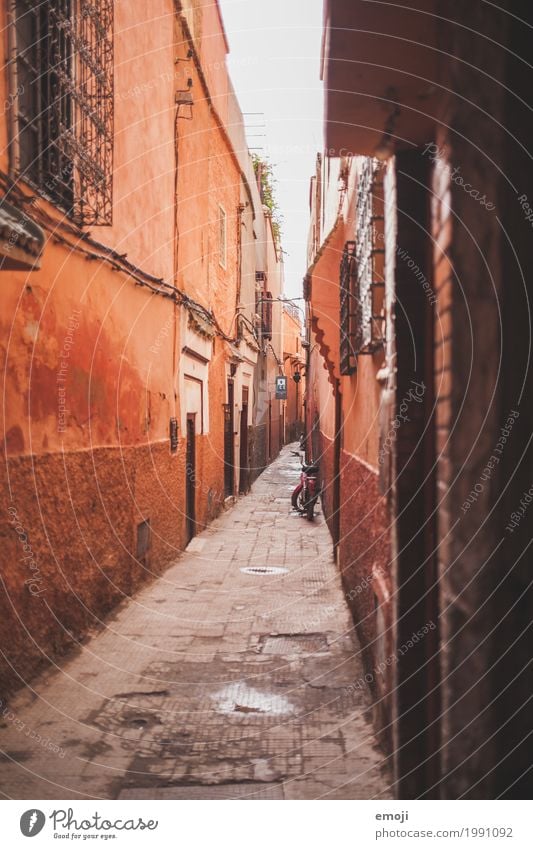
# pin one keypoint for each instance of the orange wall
(292, 344)
(144, 136)
(292, 333)
(117, 391)
(360, 391)
(321, 391)
(76, 334)
(92, 360)
(360, 528)
(360, 395)
(209, 177)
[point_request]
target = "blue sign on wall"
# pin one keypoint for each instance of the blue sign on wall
(281, 388)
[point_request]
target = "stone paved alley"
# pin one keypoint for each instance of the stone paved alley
(211, 682)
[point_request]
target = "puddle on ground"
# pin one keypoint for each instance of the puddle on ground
(240, 698)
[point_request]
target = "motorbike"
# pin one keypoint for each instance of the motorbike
(305, 494)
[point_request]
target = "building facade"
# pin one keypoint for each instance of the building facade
(418, 371)
(347, 363)
(133, 236)
(294, 370)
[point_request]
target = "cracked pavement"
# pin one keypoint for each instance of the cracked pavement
(211, 682)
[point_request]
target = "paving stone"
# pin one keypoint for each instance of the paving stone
(290, 644)
(210, 683)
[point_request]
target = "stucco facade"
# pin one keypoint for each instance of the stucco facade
(429, 438)
(123, 351)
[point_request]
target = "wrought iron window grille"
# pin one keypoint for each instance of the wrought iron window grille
(370, 282)
(361, 275)
(266, 315)
(62, 75)
(174, 442)
(350, 310)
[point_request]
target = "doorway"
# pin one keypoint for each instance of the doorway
(190, 478)
(244, 484)
(229, 450)
(417, 599)
(269, 450)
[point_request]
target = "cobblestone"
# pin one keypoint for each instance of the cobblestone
(212, 683)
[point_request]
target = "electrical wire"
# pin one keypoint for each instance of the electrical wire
(118, 262)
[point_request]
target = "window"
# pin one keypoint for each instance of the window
(62, 79)
(222, 236)
(144, 542)
(263, 304)
(370, 253)
(174, 442)
(350, 312)
(266, 315)
(361, 274)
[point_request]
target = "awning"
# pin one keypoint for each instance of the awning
(21, 240)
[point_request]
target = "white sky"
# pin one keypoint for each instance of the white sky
(274, 63)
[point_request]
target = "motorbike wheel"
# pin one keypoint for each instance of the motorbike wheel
(297, 498)
(310, 510)
(300, 502)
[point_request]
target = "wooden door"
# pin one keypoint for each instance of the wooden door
(190, 477)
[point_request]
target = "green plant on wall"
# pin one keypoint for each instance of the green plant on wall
(268, 194)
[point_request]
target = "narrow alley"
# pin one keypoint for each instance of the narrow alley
(237, 674)
(227, 228)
